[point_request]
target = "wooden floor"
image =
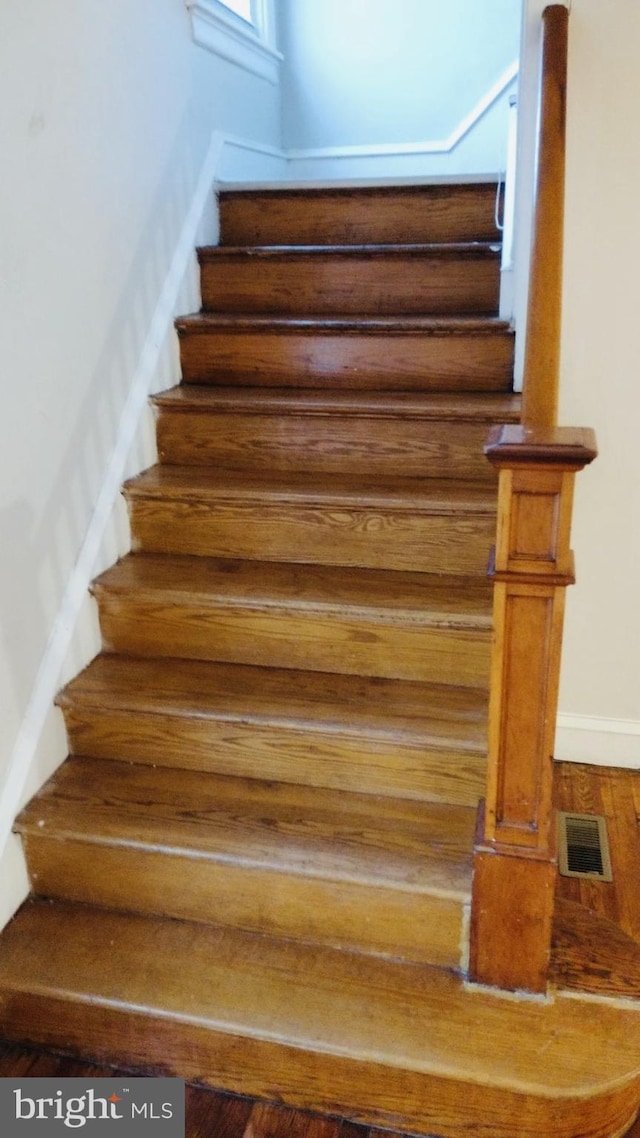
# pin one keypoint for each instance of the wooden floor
(211, 1114)
(616, 794)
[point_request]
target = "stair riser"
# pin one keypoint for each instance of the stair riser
(372, 285)
(414, 926)
(371, 1092)
(379, 447)
(446, 213)
(322, 642)
(324, 535)
(354, 361)
(324, 758)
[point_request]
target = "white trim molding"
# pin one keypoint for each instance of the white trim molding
(218, 30)
(242, 160)
(435, 146)
(597, 740)
(508, 221)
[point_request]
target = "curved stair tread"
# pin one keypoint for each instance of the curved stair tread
(400, 1041)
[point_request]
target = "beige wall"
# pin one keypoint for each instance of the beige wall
(106, 114)
(601, 379)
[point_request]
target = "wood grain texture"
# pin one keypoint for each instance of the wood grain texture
(23, 1063)
(365, 622)
(431, 525)
(590, 953)
(265, 1118)
(208, 1113)
(254, 871)
(320, 866)
(614, 794)
(372, 280)
(274, 1015)
(534, 564)
(544, 305)
(511, 918)
(457, 602)
(423, 435)
(519, 445)
(368, 735)
(424, 354)
(465, 212)
(634, 1132)
(425, 406)
(622, 824)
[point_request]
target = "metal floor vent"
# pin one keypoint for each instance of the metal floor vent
(583, 848)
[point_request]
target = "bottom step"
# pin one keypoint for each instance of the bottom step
(395, 1044)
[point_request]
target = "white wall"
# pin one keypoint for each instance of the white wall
(106, 115)
(373, 73)
(600, 387)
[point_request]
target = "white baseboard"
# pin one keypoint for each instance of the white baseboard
(599, 741)
(41, 742)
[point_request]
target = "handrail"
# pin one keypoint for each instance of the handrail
(542, 351)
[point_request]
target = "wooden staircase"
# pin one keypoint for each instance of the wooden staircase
(255, 869)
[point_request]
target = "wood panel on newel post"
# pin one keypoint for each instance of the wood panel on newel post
(514, 856)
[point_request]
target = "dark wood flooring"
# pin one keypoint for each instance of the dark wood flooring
(213, 1114)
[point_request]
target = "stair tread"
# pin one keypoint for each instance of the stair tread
(318, 1000)
(410, 712)
(200, 483)
(422, 325)
(460, 249)
(467, 407)
(304, 831)
(420, 598)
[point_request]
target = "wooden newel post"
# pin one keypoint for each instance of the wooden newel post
(514, 856)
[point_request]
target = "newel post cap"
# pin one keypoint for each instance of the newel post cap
(514, 444)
